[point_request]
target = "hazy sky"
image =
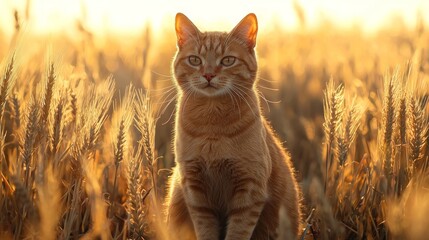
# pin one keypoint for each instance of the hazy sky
(131, 15)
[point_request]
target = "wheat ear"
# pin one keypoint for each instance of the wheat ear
(49, 87)
(29, 138)
(120, 143)
(6, 85)
(136, 196)
(145, 123)
(351, 122)
(388, 121)
(333, 110)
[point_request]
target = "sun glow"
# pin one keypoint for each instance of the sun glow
(131, 16)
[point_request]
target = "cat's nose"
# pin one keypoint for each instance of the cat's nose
(209, 76)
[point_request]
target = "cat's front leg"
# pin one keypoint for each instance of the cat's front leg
(203, 215)
(248, 200)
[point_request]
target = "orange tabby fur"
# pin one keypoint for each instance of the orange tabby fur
(233, 178)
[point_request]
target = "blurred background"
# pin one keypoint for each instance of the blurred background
(131, 16)
(301, 45)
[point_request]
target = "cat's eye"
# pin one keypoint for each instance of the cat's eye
(194, 60)
(228, 61)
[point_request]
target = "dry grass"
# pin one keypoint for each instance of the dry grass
(84, 152)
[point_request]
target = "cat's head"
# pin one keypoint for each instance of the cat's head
(215, 63)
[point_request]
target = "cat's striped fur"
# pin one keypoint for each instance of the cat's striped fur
(233, 179)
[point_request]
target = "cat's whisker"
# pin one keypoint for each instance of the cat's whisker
(163, 80)
(268, 88)
(166, 96)
(188, 93)
(239, 94)
(264, 98)
(238, 105)
(168, 104)
(244, 90)
(170, 76)
(266, 79)
(172, 112)
(267, 100)
(169, 98)
(234, 101)
(186, 89)
(162, 94)
(261, 94)
(163, 88)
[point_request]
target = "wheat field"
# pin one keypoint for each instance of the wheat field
(86, 130)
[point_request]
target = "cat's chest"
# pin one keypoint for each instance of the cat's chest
(220, 141)
(210, 148)
(216, 177)
(213, 146)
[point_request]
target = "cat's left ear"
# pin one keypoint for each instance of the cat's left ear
(185, 29)
(247, 30)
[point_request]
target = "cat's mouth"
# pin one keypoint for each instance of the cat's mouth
(209, 89)
(208, 85)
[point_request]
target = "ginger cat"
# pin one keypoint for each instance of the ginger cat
(233, 179)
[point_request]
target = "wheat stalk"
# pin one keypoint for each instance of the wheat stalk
(126, 117)
(47, 97)
(48, 192)
(402, 173)
(6, 85)
(388, 122)
(73, 107)
(72, 217)
(94, 111)
(136, 196)
(401, 120)
(16, 111)
(3, 166)
(417, 132)
(29, 138)
(57, 127)
(333, 106)
(347, 135)
(145, 123)
(99, 222)
(26, 209)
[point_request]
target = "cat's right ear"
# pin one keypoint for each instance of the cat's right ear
(185, 30)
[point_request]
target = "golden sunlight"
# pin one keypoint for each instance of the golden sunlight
(47, 16)
(115, 126)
